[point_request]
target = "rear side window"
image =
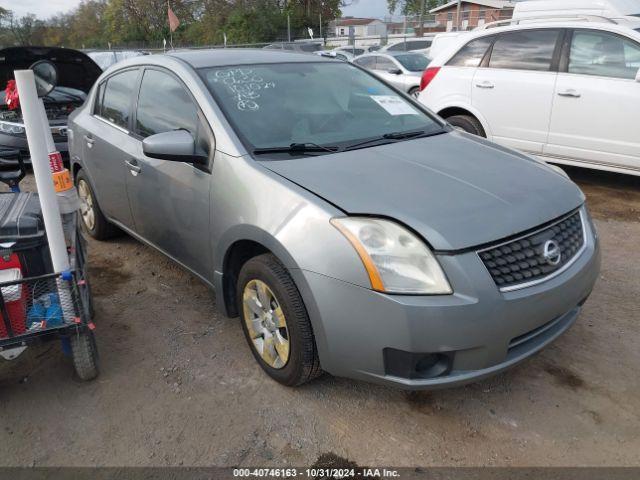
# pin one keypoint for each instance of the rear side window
(116, 101)
(604, 54)
(164, 105)
(472, 53)
(383, 63)
(525, 50)
(366, 62)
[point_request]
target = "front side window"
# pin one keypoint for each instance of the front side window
(472, 53)
(116, 101)
(604, 54)
(525, 50)
(322, 103)
(164, 105)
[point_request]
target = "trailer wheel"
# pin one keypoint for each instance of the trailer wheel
(85, 355)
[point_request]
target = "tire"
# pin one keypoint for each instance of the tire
(302, 363)
(467, 123)
(85, 355)
(99, 228)
(414, 92)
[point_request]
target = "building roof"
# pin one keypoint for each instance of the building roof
(352, 21)
(482, 3)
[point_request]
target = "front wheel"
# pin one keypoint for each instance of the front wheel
(468, 124)
(275, 322)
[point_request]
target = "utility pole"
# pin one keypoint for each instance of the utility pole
(421, 20)
(289, 26)
(458, 15)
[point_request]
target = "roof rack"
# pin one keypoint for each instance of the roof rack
(548, 18)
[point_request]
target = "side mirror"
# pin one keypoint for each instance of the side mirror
(174, 146)
(395, 71)
(46, 76)
(638, 76)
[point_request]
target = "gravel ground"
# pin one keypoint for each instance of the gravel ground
(179, 385)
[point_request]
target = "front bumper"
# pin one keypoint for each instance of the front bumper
(15, 142)
(474, 333)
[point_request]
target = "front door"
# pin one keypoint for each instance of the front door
(596, 109)
(170, 200)
(514, 93)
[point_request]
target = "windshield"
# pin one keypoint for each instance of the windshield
(413, 62)
(328, 104)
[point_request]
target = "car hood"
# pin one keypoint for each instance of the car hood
(76, 71)
(456, 191)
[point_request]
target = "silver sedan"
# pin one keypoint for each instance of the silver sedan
(403, 70)
(350, 229)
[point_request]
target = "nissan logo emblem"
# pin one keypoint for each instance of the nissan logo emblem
(551, 252)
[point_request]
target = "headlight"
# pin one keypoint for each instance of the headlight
(396, 260)
(11, 128)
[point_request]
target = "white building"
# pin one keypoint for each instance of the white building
(362, 27)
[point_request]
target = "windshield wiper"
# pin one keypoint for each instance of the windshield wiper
(295, 148)
(395, 136)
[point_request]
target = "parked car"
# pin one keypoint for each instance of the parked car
(300, 47)
(336, 54)
(402, 70)
(358, 50)
(567, 92)
(76, 74)
(626, 12)
(106, 58)
(421, 45)
(350, 229)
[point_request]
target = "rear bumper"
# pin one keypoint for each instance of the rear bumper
(422, 342)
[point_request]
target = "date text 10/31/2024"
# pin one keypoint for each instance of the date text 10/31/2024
(361, 472)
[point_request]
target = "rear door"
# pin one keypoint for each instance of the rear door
(513, 89)
(170, 200)
(106, 141)
(596, 109)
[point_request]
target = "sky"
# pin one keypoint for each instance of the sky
(47, 8)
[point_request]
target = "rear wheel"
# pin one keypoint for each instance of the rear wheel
(414, 92)
(93, 220)
(275, 322)
(468, 124)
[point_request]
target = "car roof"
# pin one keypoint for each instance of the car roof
(241, 56)
(391, 54)
(458, 42)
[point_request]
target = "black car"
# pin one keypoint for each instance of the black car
(76, 73)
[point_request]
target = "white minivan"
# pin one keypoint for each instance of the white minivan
(565, 91)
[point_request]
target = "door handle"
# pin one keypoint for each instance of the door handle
(90, 141)
(133, 167)
(571, 93)
(485, 85)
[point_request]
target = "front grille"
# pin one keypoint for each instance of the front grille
(534, 257)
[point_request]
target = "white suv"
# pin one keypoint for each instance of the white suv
(565, 91)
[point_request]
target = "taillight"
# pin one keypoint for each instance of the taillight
(428, 75)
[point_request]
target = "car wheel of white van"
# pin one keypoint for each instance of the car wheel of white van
(414, 92)
(468, 124)
(275, 322)
(93, 221)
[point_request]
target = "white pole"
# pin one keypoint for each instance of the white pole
(36, 137)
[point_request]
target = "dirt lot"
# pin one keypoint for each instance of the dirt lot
(179, 385)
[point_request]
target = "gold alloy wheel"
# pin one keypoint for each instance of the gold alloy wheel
(86, 205)
(266, 323)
